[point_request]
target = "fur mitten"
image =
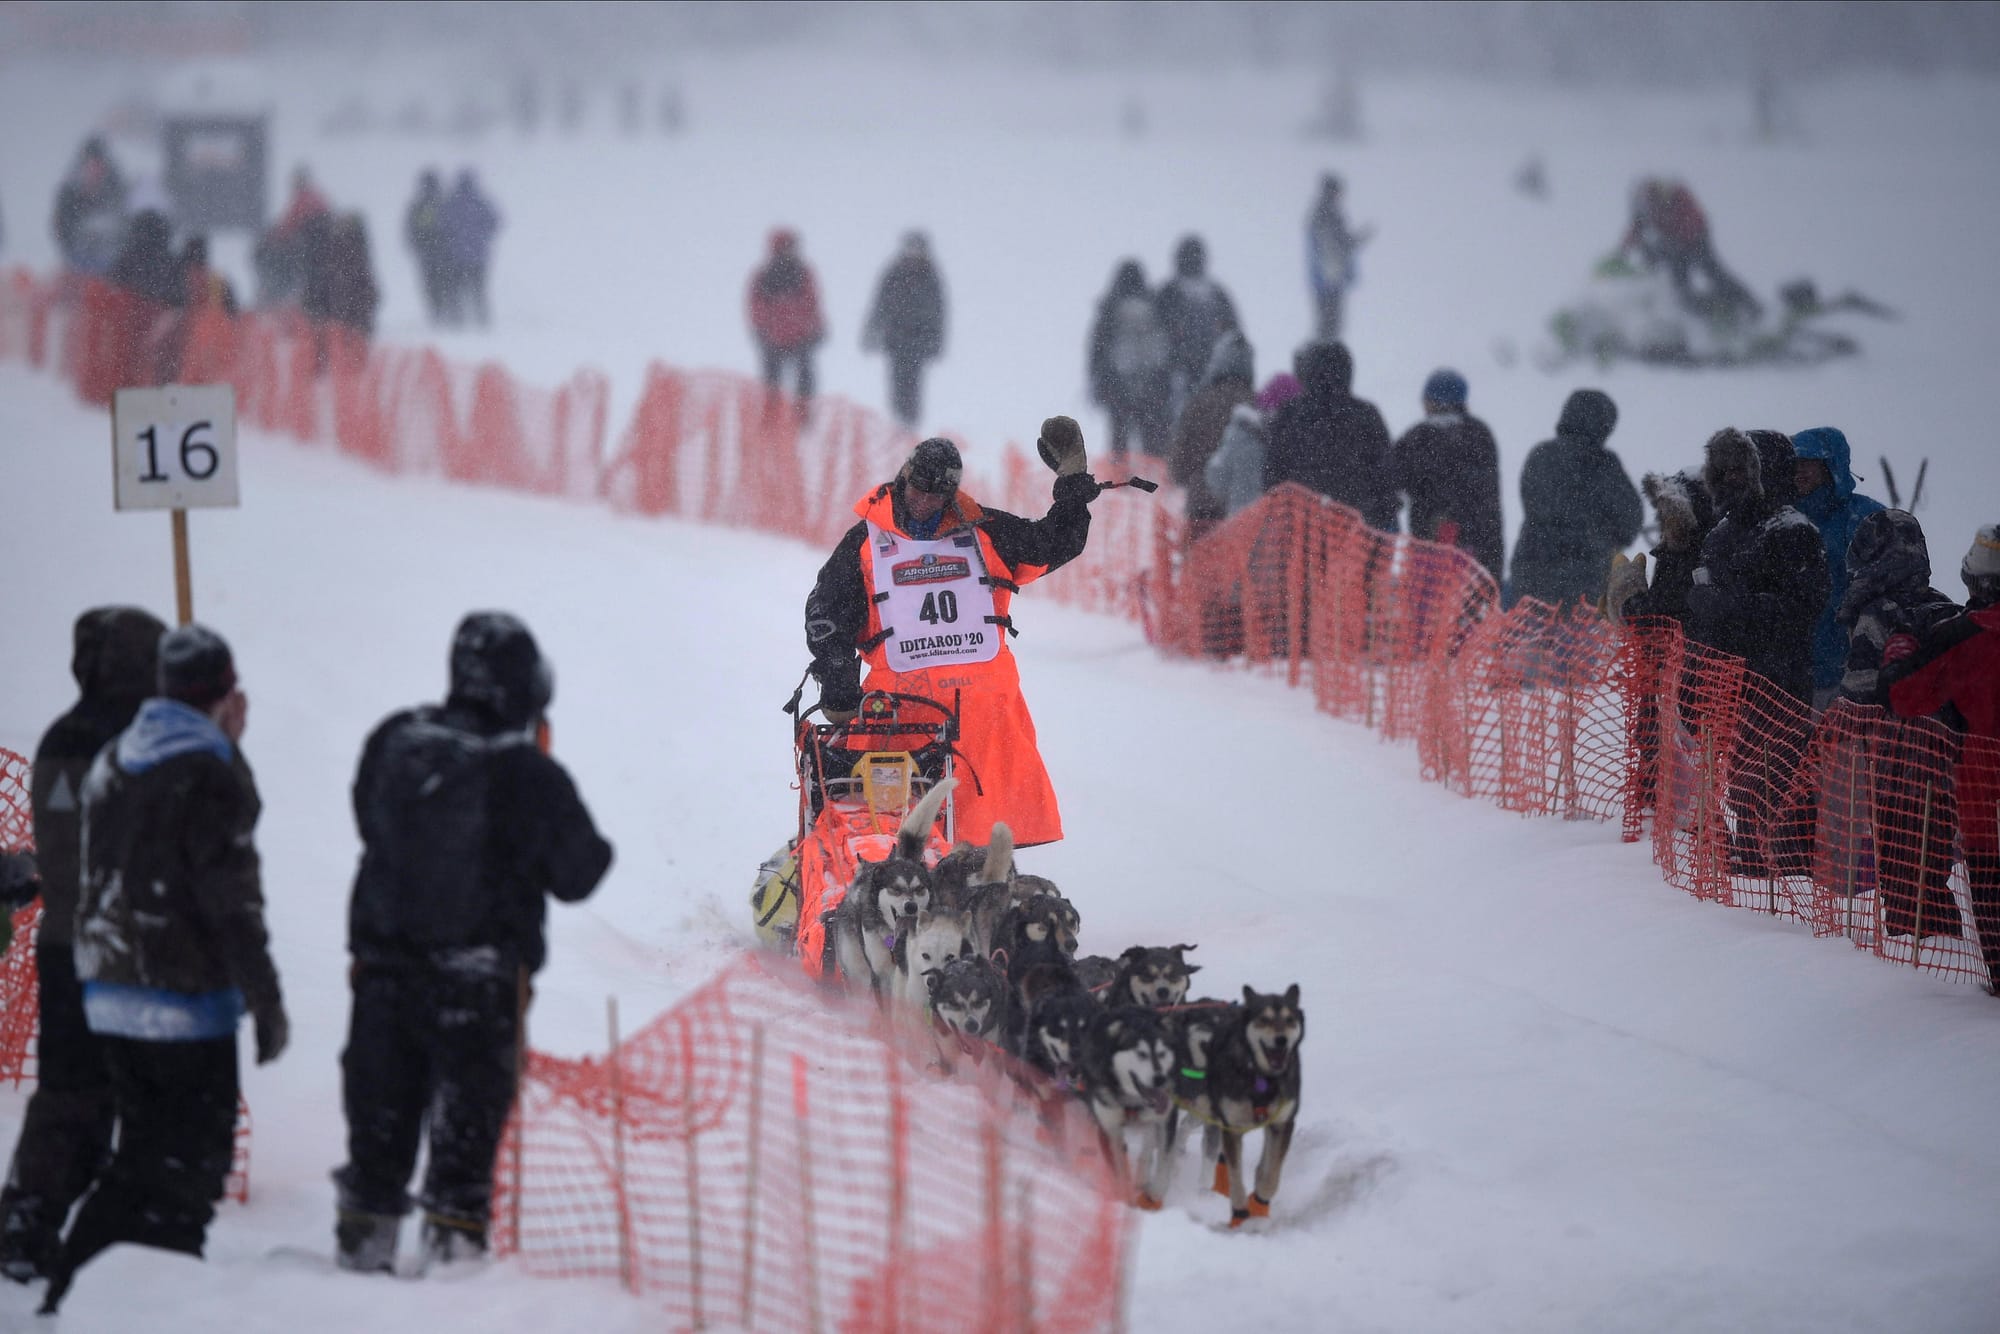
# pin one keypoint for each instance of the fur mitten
(1061, 446)
(1627, 581)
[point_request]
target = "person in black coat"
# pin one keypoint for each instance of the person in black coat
(147, 266)
(1687, 516)
(1194, 310)
(1757, 595)
(1329, 441)
(907, 323)
(66, 1133)
(467, 825)
(1128, 363)
(1578, 507)
(168, 974)
(1448, 464)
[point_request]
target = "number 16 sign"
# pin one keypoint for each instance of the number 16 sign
(174, 448)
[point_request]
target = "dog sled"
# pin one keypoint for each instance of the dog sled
(857, 783)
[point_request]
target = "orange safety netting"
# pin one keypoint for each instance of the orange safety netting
(758, 1158)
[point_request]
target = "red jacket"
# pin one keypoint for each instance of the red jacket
(1968, 676)
(784, 305)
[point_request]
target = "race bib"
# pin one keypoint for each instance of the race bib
(932, 600)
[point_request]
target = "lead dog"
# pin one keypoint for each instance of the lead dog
(1253, 1084)
(886, 900)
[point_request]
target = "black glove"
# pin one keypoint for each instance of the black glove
(273, 1032)
(839, 686)
(1061, 446)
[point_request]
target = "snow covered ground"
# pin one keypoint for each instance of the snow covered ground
(1544, 1092)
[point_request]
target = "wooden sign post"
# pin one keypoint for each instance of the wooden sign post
(174, 448)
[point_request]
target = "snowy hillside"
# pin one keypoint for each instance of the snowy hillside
(1544, 1092)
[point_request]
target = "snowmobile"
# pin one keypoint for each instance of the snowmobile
(857, 781)
(1634, 313)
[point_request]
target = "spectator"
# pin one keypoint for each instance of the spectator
(1329, 441)
(146, 267)
(467, 825)
(423, 231)
(90, 211)
(467, 224)
(1227, 383)
(167, 977)
(1825, 485)
(1235, 472)
(907, 322)
(1686, 516)
(784, 316)
(288, 250)
(1128, 363)
(1194, 310)
(1331, 248)
(1756, 594)
(1960, 670)
(66, 1133)
(1449, 467)
(203, 287)
(1889, 603)
(1578, 507)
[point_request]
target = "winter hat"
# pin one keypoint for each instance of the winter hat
(196, 667)
(1446, 388)
(1589, 413)
(934, 467)
(1983, 560)
(1191, 257)
(496, 664)
(1279, 390)
(1777, 459)
(1887, 553)
(116, 653)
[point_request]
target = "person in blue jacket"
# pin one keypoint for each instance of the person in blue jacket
(1825, 487)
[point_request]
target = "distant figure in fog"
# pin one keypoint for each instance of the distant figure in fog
(423, 231)
(284, 252)
(1227, 383)
(1449, 466)
(340, 282)
(1329, 441)
(1578, 506)
(1331, 248)
(1128, 363)
(146, 266)
(907, 323)
(1195, 311)
(467, 222)
(784, 315)
(89, 218)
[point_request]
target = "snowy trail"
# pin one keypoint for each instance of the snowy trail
(1544, 1092)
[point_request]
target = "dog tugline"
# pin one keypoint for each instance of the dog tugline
(920, 589)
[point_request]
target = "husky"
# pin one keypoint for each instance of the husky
(1152, 975)
(969, 996)
(1068, 924)
(1057, 1013)
(1126, 1079)
(939, 938)
(887, 899)
(968, 867)
(1097, 972)
(1194, 1026)
(1253, 1084)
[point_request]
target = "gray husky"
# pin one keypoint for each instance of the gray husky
(1126, 1077)
(887, 899)
(1252, 1083)
(1152, 975)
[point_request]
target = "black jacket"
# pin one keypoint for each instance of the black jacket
(1763, 579)
(907, 320)
(465, 826)
(837, 608)
(1449, 467)
(1194, 311)
(1687, 517)
(1578, 508)
(116, 649)
(172, 895)
(1332, 442)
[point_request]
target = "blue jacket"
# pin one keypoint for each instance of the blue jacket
(1836, 510)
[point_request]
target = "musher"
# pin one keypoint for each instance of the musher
(920, 588)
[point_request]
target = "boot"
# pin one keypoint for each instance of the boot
(365, 1243)
(453, 1243)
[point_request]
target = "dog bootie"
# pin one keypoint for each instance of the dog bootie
(1259, 1207)
(1221, 1177)
(1145, 1201)
(365, 1243)
(1238, 1217)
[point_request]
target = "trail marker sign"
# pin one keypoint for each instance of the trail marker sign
(174, 448)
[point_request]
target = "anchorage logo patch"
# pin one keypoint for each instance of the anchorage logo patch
(931, 569)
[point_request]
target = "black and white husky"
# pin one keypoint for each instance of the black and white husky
(1126, 1078)
(1252, 1083)
(887, 899)
(969, 996)
(1152, 975)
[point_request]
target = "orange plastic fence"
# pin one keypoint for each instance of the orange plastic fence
(760, 1158)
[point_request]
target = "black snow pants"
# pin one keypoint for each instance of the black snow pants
(66, 1133)
(906, 388)
(176, 1138)
(429, 1055)
(800, 359)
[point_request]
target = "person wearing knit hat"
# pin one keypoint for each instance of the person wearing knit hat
(920, 590)
(167, 976)
(1448, 464)
(1578, 506)
(1981, 568)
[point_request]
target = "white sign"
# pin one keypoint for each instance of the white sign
(174, 447)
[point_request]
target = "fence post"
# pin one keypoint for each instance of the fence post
(1024, 1229)
(754, 1153)
(620, 1201)
(693, 1172)
(1923, 869)
(996, 1229)
(899, 1155)
(808, 1251)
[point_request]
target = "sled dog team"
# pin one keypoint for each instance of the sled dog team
(989, 955)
